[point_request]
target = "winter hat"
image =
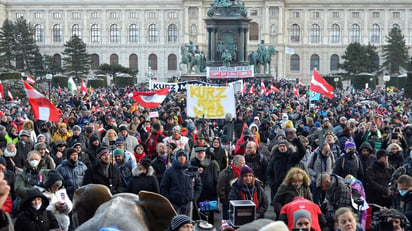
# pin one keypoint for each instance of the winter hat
(24, 133)
(176, 128)
(285, 142)
(77, 127)
(246, 169)
(178, 221)
(381, 153)
(93, 138)
(118, 151)
(200, 149)
(53, 177)
(70, 151)
(119, 140)
(145, 163)
(225, 139)
(122, 128)
(300, 214)
(76, 144)
(181, 152)
(101, 152)
(246, 132)
(40, 145)
(349, 144)
(191, 127)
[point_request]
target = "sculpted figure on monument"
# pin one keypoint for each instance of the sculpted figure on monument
(226, 58)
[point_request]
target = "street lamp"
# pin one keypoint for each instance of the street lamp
(336, 80)
(49, 78)
(386, 79)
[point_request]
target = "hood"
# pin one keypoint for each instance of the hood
(254, 125)
(29, 195)
(366, 145)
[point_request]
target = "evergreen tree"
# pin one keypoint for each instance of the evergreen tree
(51, 66)
(6, 44)
(360, 58)
(76, 60)
(395, 52)
(25, 47)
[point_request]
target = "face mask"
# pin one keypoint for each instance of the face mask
(403, 192)
(34, 163)
(350, 152)
(37, 207)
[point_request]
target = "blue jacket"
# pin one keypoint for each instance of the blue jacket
(73, 175)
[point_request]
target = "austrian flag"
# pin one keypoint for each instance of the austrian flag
(42, 108)
(151, 99)
(319, 85)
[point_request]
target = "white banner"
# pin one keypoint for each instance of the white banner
(177, 87)
(210, 102)
(230, 72)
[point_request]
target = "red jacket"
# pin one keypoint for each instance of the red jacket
(8, 205)
(301, 203)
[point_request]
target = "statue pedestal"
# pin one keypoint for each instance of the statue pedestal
(188, 77)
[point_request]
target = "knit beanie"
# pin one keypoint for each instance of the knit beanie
(178, 221)
(301, 213)
(70, 151)
(145, 163)
(101, 152)
(349, 144)
(245, 169)
(77, 127)
(52, 177)
(118, 151)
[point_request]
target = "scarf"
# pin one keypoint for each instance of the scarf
(236, 171)
(139, 156)
(249, 193)
(10, 154)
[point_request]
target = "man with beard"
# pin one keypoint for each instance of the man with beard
(283, 158)
(161, 162)
(130, 142)
(103, 172)
(256, 161)
(83, 157)
(177, 185)
(378, 176)
(208, 171)
(46, 160)
(94, 146)
(72, 170)
(125, 164)
(366, 157)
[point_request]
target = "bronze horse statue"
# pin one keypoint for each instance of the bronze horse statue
(193, 61)
(264, 60)
(95, 208)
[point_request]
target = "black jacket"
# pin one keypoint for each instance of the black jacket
(95, 175)
(147, 182)
(378, 179)
(35, 220)
(209, 179)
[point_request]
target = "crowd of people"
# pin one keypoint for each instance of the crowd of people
(303, 152)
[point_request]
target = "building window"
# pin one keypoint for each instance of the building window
(38, 33)
(355, 15)
(57, 33)
(114, 59)
(153, 33)
(95, 62)
(172, 33)
(316, 14)
(95, 15)
(193, 11)
(76, 30)
(75, 14)
(375, 15)
(355, 33)
(152, 14)
(314, 62)
(295, 14)
(334, 62)
(95, 33)
(396, 15)
(375, 33)
(294, 62)
(273, 11)
(295, 33)
(114, 15)
(315, 34)
(173, 14)
(114, 33)
(153, 62)
(57, 15)
(133, 64)
(253, 31)
(335, 34)
(37, 15)
(335, 14)
(172, 62)
(133, 33)
(133, 14)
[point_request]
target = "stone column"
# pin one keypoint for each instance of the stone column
(241, 45)
(213, 44)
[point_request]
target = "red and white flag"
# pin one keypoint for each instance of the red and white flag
(83, 88)
(30, 79)
(296, 92)
(262, 88)
(273, 89)
(151, 99)
(251, 90)
(319, 85)
(10, 95)
(42, 108)
(244, 88)
(1, 91)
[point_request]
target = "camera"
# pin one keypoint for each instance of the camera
(207, 206)
(380, 220)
